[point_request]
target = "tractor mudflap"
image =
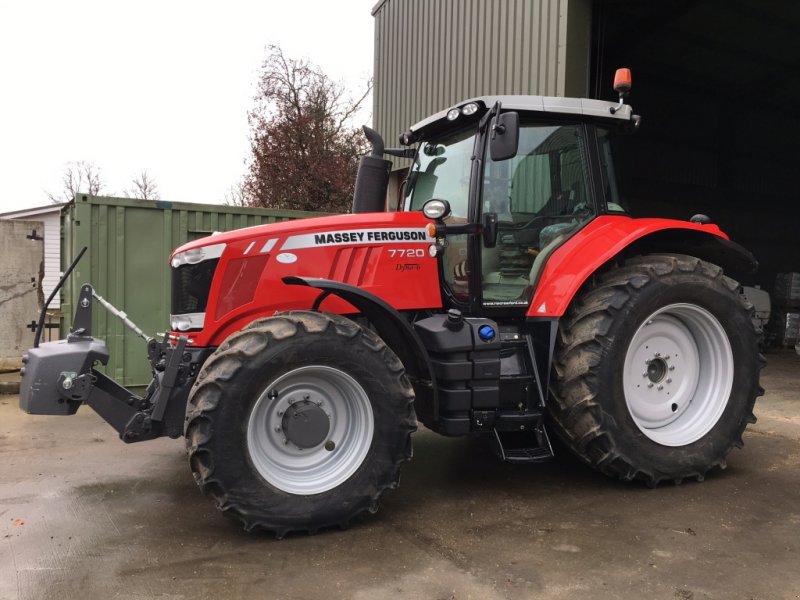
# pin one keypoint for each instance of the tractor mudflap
(56, 376)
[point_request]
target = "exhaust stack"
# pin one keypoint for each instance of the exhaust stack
(373, 177)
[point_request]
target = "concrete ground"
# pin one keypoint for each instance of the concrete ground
(83, 515)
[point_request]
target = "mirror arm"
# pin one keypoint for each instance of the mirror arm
(401, 152)
(501, 129)
(443, 229)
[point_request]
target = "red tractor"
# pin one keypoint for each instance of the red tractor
(511, 293)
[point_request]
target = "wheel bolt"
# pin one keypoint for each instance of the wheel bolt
(278, 429)
(306, 397)
(319, 402)
(660, 387)
(285, 441)
(280, 413)
(658, 354)
(672, 368)
(669, 380)
(644, 374)
(650, 384)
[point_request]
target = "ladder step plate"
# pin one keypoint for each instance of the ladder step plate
(527, 455)
(522, 453)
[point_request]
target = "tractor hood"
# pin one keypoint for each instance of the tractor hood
(337, 229)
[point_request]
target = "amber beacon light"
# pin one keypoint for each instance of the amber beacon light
(622, 81)
(622, 85)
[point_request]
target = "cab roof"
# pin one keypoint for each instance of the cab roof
(552, 105)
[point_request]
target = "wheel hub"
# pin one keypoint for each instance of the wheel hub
(310, 429)
(305, 424)
(668, 373)
(657, 369)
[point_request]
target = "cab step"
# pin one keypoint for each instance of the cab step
(523, 447)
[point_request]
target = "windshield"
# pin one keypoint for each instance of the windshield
(441, 170)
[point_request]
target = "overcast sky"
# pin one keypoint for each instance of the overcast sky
(158, 85)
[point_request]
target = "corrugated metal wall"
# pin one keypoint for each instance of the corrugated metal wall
(430, 54)
(129, 243)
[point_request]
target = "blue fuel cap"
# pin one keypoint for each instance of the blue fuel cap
(486, 333)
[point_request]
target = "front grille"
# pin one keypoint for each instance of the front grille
(190, 286)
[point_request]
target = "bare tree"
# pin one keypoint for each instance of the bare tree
(144, 187)
(305, 150)
(236, 195)
(79, 177)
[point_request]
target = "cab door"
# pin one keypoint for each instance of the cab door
(541, 197)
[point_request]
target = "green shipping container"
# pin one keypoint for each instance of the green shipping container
(129, 243)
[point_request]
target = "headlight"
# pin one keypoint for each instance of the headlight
(187, 321)
(436, 209)
(469, 109)
(452, 114)
(196, 255)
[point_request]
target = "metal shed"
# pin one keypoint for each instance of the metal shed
(429, 55)
(715, 82)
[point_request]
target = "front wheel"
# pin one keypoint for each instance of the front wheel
(299, 422)
(656, 370)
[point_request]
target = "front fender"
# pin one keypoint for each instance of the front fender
(390, 325)
(609, 236)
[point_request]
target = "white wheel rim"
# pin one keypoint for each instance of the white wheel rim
(323, 465)
(678, 374)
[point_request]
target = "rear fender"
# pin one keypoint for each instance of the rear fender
(610, 237)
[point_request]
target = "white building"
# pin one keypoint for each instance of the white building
(50, 215)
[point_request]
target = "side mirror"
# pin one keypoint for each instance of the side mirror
(504, 136)
(489, 230)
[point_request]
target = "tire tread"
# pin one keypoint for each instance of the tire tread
(583, 335)
(224, 365)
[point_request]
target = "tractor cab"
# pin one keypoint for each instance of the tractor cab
(527, 172)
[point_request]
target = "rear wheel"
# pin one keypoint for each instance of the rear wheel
(299, 422)
(656, 370)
